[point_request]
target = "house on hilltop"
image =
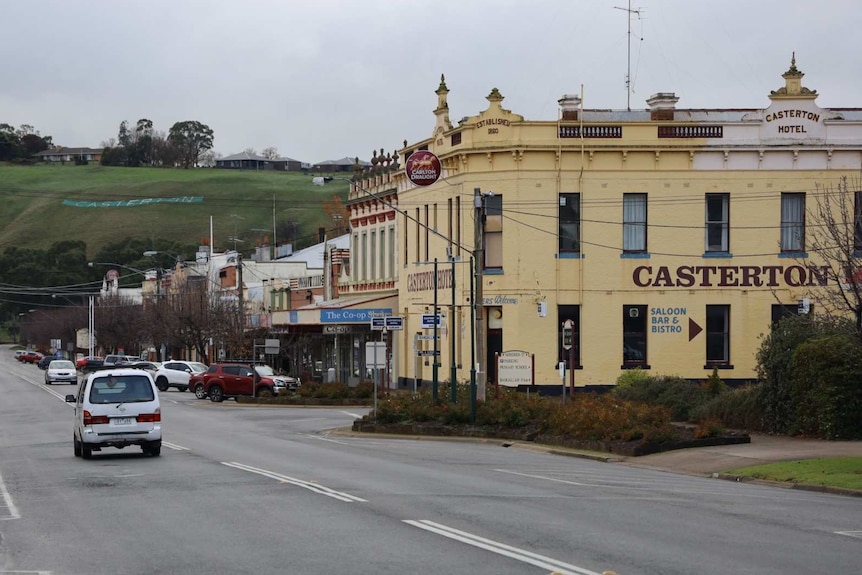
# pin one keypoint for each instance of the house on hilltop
(246, 161)
(343, 165)
(62, 154)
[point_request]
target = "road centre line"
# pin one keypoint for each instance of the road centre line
(312, 436)
(558, 567)
(174, 446)
(9, 504)
(317, 488)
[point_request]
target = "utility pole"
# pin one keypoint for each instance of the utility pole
(241, 297)
(478, 299)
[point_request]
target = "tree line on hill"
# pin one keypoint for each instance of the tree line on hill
(21, 144)
(185, 145)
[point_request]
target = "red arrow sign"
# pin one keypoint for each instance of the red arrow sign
(693, 329)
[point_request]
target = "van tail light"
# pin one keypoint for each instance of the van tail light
(90, 419)
(150, 417)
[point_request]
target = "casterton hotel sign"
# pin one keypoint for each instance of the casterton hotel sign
(729, 276)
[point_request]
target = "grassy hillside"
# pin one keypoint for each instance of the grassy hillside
(33, 214)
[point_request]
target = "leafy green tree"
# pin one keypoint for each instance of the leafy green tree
(825, 390)
(190, 138)
(774, 364)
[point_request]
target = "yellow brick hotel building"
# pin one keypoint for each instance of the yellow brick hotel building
(672, 238)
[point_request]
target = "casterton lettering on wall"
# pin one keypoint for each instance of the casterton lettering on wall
(730, 276)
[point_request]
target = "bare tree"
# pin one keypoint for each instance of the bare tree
(834, 233)
(118, 323)
(190, 316)
(270, 153)
(250, 151)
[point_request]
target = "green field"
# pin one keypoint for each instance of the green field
(239, 202)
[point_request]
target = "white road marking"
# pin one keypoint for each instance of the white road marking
(7, 500)
(546, 478)
(857, 534)
(353, 415)
(501, 548)
(317, 488)
(174, 446)
(310, 436)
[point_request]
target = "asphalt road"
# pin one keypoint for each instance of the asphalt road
(269, 490)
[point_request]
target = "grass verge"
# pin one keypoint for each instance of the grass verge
(841, 472)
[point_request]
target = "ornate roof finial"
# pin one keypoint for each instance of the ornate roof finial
(793, 71)
(442, 86)
(495, 96)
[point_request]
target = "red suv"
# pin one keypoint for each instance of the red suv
(232, 380)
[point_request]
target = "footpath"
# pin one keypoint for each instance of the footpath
(763, 449)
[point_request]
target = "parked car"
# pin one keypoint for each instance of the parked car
(19, 353)
(45, 360)
(280, 382)
(235, 379)
(196, 385)
(89, 359)
(150, 367)
(90, 364)
(178, 373)
(31, 357)
(117, 408)
(61, 371)
(117, 359)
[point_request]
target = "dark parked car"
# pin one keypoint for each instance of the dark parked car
(91, 363)
(43, 363)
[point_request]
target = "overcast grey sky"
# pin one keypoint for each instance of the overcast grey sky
(325, 79)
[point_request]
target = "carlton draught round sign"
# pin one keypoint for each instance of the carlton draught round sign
(423, 168)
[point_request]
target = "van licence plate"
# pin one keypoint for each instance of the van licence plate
(122, 420)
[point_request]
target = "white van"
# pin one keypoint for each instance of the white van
(115, 408)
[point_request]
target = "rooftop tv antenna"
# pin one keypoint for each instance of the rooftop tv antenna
(629, 12)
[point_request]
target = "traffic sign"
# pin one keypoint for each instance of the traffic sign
(427, 352)
(428, 320)
(387, 322)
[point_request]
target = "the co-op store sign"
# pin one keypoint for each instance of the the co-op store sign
(358, 315)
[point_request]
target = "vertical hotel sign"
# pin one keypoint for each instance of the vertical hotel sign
(423, 168)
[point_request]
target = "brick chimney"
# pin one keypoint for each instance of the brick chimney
(570, 104)
(662, 105)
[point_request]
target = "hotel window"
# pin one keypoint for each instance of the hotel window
(717, 222)
(449, 228)
(634, 336)
(572, 312)
(634, 223)
(364, 257)
(781, 311)
(458, 226)
(427, 234)
(493, 239)
(418, 232)
(570, 223)
(405, 227)
(857, 222)
(372, 255)
(383, 273)
(792, 222)
(717, 335)
(392, 273)
(354, 250)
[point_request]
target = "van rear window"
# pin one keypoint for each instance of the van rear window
(121, 389)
